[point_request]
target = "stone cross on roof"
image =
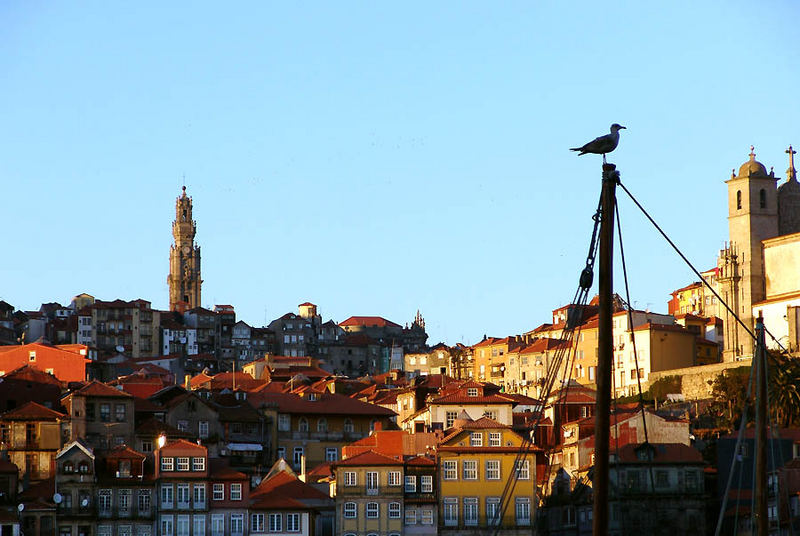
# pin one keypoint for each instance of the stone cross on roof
(791, 172)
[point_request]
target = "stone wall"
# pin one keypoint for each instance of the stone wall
(695, 380)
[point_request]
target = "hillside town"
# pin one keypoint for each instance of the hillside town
(120, 419)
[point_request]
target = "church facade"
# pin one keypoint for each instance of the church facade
(184, 259)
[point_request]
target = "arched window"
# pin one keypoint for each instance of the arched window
(762, 198)
(738, 200)
(302, 425)
(348, 425)
(322, 424)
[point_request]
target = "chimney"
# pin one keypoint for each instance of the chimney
(302, 476)
(187, 381)
(378, 426)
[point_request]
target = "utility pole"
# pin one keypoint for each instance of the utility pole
(605, 352)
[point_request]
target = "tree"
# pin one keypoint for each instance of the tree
(730, 396)
(784, 391)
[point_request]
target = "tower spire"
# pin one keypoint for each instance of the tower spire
(791, 173)
(184, 258)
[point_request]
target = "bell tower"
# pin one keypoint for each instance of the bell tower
(752, 218)
(184, 259)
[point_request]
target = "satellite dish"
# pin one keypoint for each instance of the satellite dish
(57, 498)
(20, 507)
(120, 348)
(85, 502)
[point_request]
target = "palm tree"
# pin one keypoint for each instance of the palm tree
(784, 391)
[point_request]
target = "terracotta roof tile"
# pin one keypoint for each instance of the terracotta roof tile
(32, 411)
(368, 458)
(368, 321)
(95, 388)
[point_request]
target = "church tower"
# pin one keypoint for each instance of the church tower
(184, 259)
(752, 218)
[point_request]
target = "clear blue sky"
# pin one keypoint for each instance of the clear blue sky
(376, 158)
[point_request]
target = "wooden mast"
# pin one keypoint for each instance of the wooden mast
(605, 352)
(760, 358)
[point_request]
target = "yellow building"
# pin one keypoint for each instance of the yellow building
(369, 495)
(476, 461)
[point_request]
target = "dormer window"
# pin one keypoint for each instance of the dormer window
(124, 468)
(32, 355)
(472, 391)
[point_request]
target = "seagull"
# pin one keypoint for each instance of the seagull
(603, 144)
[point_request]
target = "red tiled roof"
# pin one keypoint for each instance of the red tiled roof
(326, 403)
(482, 424)
(220, 470)
(125, 452)
(276, 502)
(32, 411)
(368, 321)
(368, 458)
(283, 484)
(307, 304)
(421, 461)
(458, 398)
(183, 444)
(95, 388)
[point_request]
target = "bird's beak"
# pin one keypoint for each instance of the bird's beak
(623, 127)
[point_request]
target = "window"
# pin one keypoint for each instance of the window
(199, 523)
(275, 522)
(523, 510)
(492, 510)
(393, 478)
(394, 510)
(426, 515)
(349, 510)
(372, 510)
(218, 492)
(372, 482)
(124, 500)
(450, 511)
(105, 412)
(237, 523)
(236, 492)
(167, 464)
(218, 524)
(104, 500)
(144, 501)
(202, 429)
(199, 495)
(302, 425)
(322, 424)
(450, 418)
(426, 483)
(147, 446)
(411, 516)
(470, 510)
(350, 478)
(492, 469)
(523, 470)
(68, 467)
(762, 198)
(449, 470)
(166, 496)
(183, 464)
(662, 479)
(257, 522)
(281, 453)
(470, 469)
(297, 456)
(292, 522)
(476, 439)
(495, 439)
(331, 454)
(691, 481)
(182, 495)
(348, 426)
(411, 484)
(284, 423)
(119, 412)
(166, 526)
(472, 391)
(738, 200)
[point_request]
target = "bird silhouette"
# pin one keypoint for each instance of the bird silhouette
(603, 144)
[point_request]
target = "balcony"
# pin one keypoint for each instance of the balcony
(372, 491)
